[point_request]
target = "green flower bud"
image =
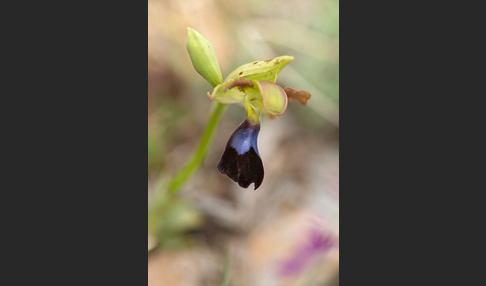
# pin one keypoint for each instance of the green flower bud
(261, 70)
(203, 57)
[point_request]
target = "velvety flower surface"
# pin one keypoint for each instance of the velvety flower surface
(241, 160)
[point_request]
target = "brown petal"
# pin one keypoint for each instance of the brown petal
(240, 83)
(302, 96)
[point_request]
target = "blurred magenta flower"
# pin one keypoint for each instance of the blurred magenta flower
(316, 244)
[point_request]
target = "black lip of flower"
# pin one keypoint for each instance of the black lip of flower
(240, 160)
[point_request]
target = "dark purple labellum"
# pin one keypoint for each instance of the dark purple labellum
(241, 160)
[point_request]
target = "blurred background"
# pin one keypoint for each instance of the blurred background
(214, 232)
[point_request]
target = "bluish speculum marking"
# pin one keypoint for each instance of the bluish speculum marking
(245, 138)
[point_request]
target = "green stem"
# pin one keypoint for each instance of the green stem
(227, 266)
(197, 157)
(158, 206)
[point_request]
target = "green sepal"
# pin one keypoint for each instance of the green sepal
(261, 70)
(228, 93)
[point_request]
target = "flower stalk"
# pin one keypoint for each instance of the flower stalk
(205, 62)
(217, 111)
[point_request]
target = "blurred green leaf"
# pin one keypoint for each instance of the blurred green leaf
(169, 218)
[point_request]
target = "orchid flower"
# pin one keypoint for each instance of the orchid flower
(252, 86)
